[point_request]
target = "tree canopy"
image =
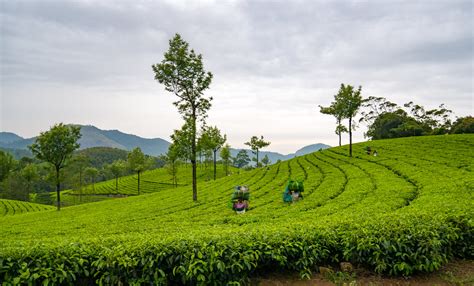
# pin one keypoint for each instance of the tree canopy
(182, 73)
(256, 144)
(212, 139)
(349, 101)
(242, 159)
(56, 146)
(137, 162)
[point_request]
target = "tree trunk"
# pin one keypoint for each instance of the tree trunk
(257, 158)
(215, 150)
(80, 184)
(57, 189)
(350, 136)
(339, 133)
(138, 182)
(193, 154)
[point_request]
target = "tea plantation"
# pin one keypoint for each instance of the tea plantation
(409, 209)
(150, 182)
(11, 207)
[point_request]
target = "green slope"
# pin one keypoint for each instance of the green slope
(151, 181)
(12, 207)
(408, 210)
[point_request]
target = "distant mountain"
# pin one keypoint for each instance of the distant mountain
(310, 149)
(95, 137)
(274, 156)
(8, 137)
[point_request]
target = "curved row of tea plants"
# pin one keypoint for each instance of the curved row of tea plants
(11, 207)
(408, 210)
(150, 182)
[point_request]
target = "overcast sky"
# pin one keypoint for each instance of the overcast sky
(274, 62)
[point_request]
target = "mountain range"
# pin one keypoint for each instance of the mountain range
(95, 137)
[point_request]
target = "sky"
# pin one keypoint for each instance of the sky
(274, 62)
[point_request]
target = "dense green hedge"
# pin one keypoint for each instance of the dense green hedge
(392, 245)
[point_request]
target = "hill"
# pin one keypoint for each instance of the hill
(12, 207)
(274, 156)
(409, 209)
(9, 137)
(95, 137)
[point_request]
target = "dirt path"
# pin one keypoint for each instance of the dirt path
(459, 272)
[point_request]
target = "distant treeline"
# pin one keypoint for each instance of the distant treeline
(29, 179)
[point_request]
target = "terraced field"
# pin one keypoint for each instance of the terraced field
(408, 210)
(11, 207)
(150, 182)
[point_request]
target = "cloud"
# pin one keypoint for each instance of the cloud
(273, 62)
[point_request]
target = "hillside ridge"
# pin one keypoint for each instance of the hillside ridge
(93, 136)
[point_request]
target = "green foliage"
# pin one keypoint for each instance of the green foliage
(394, 125)
(226, 157)
(212, 140)
(241, 159)
(56, 146)
(295, 186)
(336, 110)
(136, 160)
(463, 125)
(266, 161)
(406, 211)
(98, 157)
(256, 144)
(182, 73)
(348, 101)
(7, 164)
(172, 162)
(373, 107)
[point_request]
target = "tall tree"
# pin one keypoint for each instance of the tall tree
(241, 159)
(435, 121)
(182, 73)
(182, 141)
(266, 161)
(256, 144)
(372, 107)
(463, 125)
(213, 140)
(137, 163)
(116, 168)
(393, 125)
(172, 161)
(79, 162)
(91, 174)
(56, 147)
(225, 156)
(7, 164)
(29, 174)
(336, 111)
(349, 100)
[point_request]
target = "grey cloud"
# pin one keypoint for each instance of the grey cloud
(292, 55)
